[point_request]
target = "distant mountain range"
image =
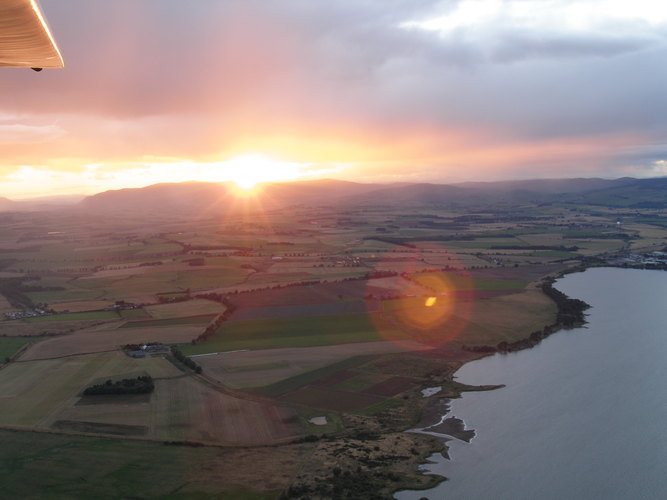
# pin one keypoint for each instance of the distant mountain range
(37, 204)
(210, 198)
(6, 204)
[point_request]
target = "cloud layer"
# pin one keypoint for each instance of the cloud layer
(403, 89)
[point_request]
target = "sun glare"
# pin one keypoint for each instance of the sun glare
(249, 170)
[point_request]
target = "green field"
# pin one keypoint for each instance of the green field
(297, 332)
(133, 314)
(10, 345)
(48, 466)
(445, 282)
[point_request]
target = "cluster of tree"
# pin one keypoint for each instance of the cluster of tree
(185, 360)
(140, 385)
(152, 263)
(570, 311)
(173, 297)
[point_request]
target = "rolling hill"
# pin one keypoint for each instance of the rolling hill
(210, 198)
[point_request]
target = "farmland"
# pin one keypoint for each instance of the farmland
(10, 345)
(108, 468)
(299, 314)
(108, 338)
(181, 409)
(298, 332)
(256, 368)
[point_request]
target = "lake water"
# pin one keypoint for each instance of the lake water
(584, 414)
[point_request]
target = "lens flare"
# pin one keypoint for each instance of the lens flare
(429, 305)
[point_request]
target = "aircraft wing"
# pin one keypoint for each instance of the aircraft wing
(25, 39)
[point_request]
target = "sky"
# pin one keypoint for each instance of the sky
(362, 90)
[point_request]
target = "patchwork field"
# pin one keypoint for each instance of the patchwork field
(55, 466)
(262, 367)
(184, 409)
(334, 313)
(181, 408)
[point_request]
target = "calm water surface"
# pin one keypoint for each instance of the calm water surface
(584, 414)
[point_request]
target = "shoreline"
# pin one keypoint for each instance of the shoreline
(434, 420)
(499, 439)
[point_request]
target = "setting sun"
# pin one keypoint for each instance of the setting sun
(247, 171)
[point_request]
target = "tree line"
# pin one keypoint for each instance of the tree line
(185, 360)
(143, 384)
(570, 314)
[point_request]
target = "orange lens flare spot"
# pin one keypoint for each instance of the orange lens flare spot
(424, 314)
(427, 302)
